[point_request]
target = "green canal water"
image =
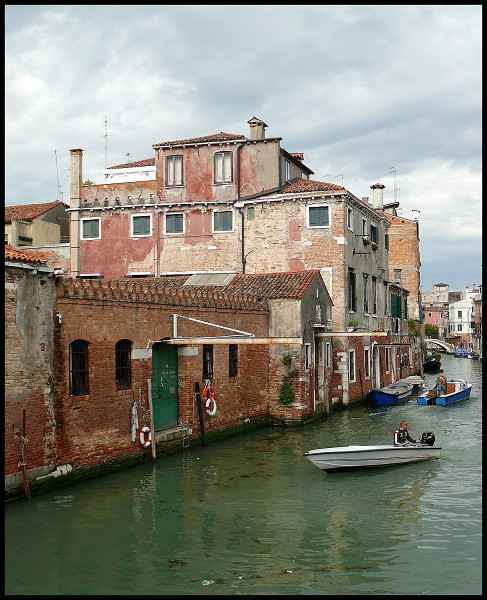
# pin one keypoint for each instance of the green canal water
(251, 515)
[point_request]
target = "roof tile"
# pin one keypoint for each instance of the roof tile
(28, 212)
(21, 256)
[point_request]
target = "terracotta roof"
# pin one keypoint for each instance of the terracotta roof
(21, 256)
(297, 155)
(307, 185)
(148, 162)
(27, 212)
(288, 284)
(216, 137)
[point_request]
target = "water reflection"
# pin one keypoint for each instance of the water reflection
(251, 515)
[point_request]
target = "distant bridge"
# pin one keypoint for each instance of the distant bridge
(449, 348)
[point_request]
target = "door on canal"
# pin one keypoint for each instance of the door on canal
(164, 385)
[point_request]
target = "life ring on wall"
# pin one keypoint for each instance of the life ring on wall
(145, 443)
(208, 394)
(211, 402)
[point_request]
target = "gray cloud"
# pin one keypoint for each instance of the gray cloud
(358, 89)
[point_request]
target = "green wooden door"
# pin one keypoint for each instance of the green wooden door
(164, 385)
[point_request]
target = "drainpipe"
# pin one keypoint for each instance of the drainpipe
(239, 205)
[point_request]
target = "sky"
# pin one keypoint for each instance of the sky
(370, 94)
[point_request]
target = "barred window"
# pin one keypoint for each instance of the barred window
(232, 360)
(207, 361)
(123, 364)
(78, 368)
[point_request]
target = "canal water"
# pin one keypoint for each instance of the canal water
(251, 515)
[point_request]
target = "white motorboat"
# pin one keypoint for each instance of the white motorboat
(360, 457)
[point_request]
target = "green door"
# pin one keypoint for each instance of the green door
(164, 385)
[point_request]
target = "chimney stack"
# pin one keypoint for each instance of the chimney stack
(377, 199)
(74, 216)
(257, 129)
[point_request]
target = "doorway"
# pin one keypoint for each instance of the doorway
(165, 385)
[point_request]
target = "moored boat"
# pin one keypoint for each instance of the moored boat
(456, 390)
(432, 365)
(461, 353)
(360, 457)
(391, 394)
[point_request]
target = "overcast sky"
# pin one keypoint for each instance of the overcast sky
(358, 89)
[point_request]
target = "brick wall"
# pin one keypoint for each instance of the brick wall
(29, 298)
(97, 427)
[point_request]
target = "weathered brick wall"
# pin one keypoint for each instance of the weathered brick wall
(29, 300)
(97, 427)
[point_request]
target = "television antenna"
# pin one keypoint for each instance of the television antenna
(396, 189)
(106, 122)
(59, 193)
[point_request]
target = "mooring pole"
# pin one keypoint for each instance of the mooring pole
(22, 457)
(200, 411)
(361, 388)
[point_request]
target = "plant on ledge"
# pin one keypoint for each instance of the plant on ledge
(366, 241)
(286, 393)
(374, 246)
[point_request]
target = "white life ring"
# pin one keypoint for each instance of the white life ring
(211, 402)
(145, 443)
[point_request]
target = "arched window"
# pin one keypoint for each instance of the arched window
(123, 364)
(78, 368)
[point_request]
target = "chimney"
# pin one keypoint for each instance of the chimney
(74, 216)
(257, 129)
(377, 199)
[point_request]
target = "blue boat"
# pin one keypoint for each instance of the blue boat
(391, 394)
(457, 389)
(461, 353)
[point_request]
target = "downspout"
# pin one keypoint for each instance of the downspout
(239, 206)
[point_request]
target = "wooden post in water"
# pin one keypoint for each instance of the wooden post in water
(361, 387)
(22, 457)
(153, 445)
(200, 411)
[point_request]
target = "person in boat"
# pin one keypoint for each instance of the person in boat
(441, 383)
(402, 437)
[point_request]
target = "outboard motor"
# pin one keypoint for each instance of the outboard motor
(428, 438)
(431, 397)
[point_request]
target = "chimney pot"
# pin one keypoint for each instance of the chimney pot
(257, 129)
(377, 198)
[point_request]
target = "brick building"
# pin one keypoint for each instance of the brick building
(228, 203)
(83, 356)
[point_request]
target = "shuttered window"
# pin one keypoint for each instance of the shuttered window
(90, 229)
(174, 171)
(223, 220)
(174, 223)
(319, 216)
(223, 167)
(141, 225)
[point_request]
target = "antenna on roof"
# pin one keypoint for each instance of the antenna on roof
(106, 121)
(396, 189)
(340, 175)
(128, 156)
(59, 193)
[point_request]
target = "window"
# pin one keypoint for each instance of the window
(364, 228)
(223, 221)
(319, 216)
(123, 365)
(307, 356)
(386, 241)
(367, 362)
(351, 366)
(459, 328)
(174, 171)
(350, 218)
(352, 300)
(388, 359)
(174, 223)
(250, 212)
(374, 234)
(374, 295)
(366, 294)
(287, 170)
(222, 167)
(90, 229)
(78, 368)
(207, 361)
(328, 354)
(459, 314)
(141, 226)
(232, 360)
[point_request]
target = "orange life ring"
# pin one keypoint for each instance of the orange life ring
(145, 443)
(208, 394)
(209, 399)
